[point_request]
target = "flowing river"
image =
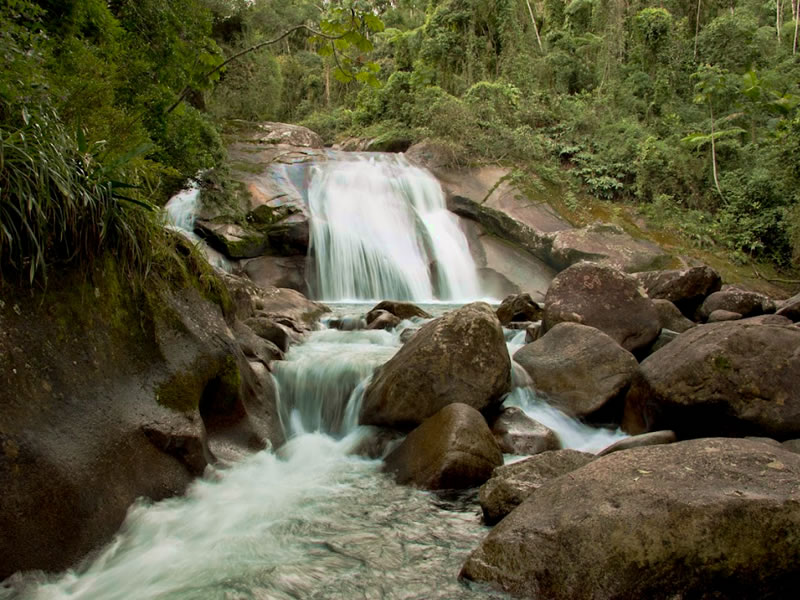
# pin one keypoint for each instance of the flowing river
(314, 520)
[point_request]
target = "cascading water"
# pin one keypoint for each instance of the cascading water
(380, 230)
(180, 211)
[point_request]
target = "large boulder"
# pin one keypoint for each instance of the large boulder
(511, 484)
(579, 368)
(604, 298)
(710, 518)
(685, 288)
(745, 302)
(732, 378)
(453, 449)
(516, 433)
(520, 307)
(401, 310)
(278, 271)
(459, 357)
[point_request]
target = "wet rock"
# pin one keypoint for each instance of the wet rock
(579, 368)
(654, 438)
(254, 346)
(604, 298)
(402, 310)
(278, 271)
(744, 302)
(453, 449)
(184, 437)
(459, 357)
(720, 316)
(533, 332)
(378, 443)
(347, 323)
(274, 332)
(670, 317)
(233, 240)
(408, 333)
(685, 288)
(733, 378)
(516, 433)
(699, 519)
(511, 484)
(790, 308)
(382, 319)
(520, 307)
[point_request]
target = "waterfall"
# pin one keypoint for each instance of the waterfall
(380, 230)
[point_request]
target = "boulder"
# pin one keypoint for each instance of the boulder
(254, 346)
(278, 271)
(283, 133)
(382, 319)
(664, 338)
(579, 368)
(770, 320)
(604, 298)
(685, 288)
(790, 308)
(744, 302)
(533, 332)
(453, 449)
(276, 333)
(511, 484)
(640, 441)
(459, 357)
(733, 378)
(232, 240)
(516, 433)
(720, 316)
(710, 518)
(520, 307)
(669, 317)
(792, 445)
(401, 310)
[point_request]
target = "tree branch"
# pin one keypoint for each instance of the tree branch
(775, 280)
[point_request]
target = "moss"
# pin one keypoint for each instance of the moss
(722, 363)
(183, 391)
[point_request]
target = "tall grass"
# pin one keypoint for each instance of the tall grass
(59, 203)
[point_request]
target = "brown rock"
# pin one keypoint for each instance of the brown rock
(670, 317)
(685, 288)
(402, 310)
(710, 518)
(734, 378)
(516, 433)
(579, 368)
(453, 449)
(720, 316)
(790, 308)
(744, 302)
(640, 441)
(511, 484)
(606, 299)
(459, 357)
(520, 307)
(382, 319)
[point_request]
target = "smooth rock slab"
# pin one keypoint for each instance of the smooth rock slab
(709, 518)
(454, 449)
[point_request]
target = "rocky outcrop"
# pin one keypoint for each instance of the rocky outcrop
(104, 400)
(733, 378)
(707, 518)
(453, 449)
(516, 433)
(511, 484)
(685, 288)
(520, 307)
(459, 357)
(401, 310)
(604, 298)
(744, 302)
(579, 368)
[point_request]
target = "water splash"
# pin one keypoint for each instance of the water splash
(380, 230)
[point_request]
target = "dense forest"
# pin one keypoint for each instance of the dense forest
(688, 109)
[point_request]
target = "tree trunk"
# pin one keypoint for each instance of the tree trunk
(696, 29)
(796, 24)
(327, 84)
(535, 27)
(714, 149)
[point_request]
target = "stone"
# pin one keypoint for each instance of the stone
(669, 317)
(402, 310)
(453, 449)
(792, 445)
(731, 378)
(232, 240)
(382, 319)
(664, 338)
(604, 298)
(184, 437)
(511, 484)
(790, 308)
(639, 441)
(278, 271)
(520, 307)
(274, 332)
(516, 433)
(533, 332)
(685, 288)
(579, 368)
(744, 302)
(458, 357)
(254, 346)
(709, 518)
(720, 316)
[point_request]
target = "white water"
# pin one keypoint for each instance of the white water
(380, 230)
(180, 211)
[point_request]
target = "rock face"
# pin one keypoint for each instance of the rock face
(520, 307)
(100, 406)
(733, 378)
(711, 518)
(606, 299)
(516, 433)
(744, 302)
(453, 449)
(685, 288)
(511, 484)
(579, 368)
(459, 357)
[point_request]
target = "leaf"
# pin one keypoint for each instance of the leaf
(374, 23)
(342, 75)
(146, 205)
